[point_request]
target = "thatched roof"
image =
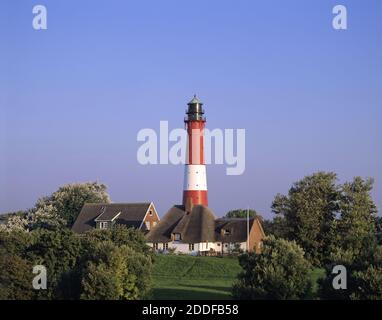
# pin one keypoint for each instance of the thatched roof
(199, 225)
(232, 229)
(162, 231)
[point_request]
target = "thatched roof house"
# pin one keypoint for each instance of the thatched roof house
(198, 230)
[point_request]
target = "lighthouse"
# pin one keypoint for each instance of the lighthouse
(195, 179)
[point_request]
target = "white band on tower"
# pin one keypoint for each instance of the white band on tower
(195, 177)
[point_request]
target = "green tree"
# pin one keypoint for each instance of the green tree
(16, 242)
(277, 227)
(364, 274)
(279, 272)
(368, 283)
(72, 262)
(64, 205)
(378, 228)
(309, 210)
(354, 244)
(241, 213)
(59, 209)
(13, 221)
(108, 276)
(140, 256)
(120, 235)
(355, 230)
(15, 277)
(58, 251)
(16, 270)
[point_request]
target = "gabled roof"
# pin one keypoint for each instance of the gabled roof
(131, 214)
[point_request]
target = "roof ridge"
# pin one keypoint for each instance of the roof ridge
(236, 219)
(116, 203)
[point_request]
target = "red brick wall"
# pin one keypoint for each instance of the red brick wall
(256, 236)
(151, 218)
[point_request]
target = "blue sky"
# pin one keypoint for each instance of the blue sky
(73, 97)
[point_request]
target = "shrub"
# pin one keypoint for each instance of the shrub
(279, 272)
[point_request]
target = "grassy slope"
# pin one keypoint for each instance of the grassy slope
(187, 277)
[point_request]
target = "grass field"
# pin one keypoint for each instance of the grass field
(187, 277)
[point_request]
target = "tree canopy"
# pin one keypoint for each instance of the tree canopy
(309, 210)
(67, 202)
(109, 264)
(279, 272)
(107, 275)
(241, 213)
(58, 210)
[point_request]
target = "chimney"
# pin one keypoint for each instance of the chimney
(189, 205)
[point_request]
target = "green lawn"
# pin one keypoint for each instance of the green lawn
(316, 274)
(186, 277)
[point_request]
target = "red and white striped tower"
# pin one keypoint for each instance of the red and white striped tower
(195, 179)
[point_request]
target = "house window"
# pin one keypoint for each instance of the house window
(165, 246)
(103, 224)
(155, 246)
(191, 247)
(154, 223)
(226, 232)
(176, 236)
(150, 213)
(147, 225)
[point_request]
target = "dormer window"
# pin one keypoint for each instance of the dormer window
(177, 236)
(104, 225)
(226, 232)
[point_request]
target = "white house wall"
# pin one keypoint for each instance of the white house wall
(184, 248)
